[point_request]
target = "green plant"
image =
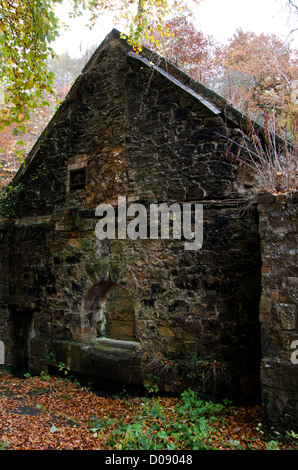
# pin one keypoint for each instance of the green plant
(194, 420)
(41, 169)
(272, 445)
(103, 423)
(9, 199)
(50, 357)
(187, 425)
(271, 160)
(293, 435)
(151, 385)
(290, 437)
(10, 196)
(163, 368)
(3, 445)
(135, 439)
(156, 410)
(194, 407)
(259, 428)
(205, 373)
(147, 431)
(44, 376)
(63, 368)
(235, 444)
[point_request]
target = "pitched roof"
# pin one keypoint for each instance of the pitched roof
(211, 100)
(214, 109)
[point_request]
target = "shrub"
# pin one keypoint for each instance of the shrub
(272, 160)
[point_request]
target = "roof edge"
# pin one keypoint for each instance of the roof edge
(214, 109)
(209, 98)
(114, 34)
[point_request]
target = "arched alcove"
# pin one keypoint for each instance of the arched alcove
(119, 316)
(110, 311)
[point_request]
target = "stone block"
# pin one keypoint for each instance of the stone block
(265, 304)
(264, 199)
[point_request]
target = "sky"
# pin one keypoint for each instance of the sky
(218, 18)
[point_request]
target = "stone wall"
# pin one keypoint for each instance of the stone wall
(126, 131)
(278, 309)
(4, 287)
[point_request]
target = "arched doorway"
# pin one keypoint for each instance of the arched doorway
(21, 331)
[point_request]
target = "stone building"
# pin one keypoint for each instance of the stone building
(116, 309)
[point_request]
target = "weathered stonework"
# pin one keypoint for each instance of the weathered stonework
(4, 285)
(279, 309)
(106, 308)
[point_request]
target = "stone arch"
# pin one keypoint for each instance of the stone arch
(119, 315)
(109, 310)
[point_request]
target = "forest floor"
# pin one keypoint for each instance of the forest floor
(53, 413)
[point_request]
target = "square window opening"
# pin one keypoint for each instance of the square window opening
(78, 179)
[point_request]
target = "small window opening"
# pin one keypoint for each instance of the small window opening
(78, 179)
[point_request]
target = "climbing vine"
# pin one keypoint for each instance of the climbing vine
(10, 196)
(9, 199)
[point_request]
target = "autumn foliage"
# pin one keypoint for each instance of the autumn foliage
(26, 29)
(52, 413)
(186, 47)
(256, 74)
(258, 77)
(14, 145)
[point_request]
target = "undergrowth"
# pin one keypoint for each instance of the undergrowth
(272, 160)
(191, 423)
(186, 425)
(59, 413)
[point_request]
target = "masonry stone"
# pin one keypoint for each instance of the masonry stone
(117, 309)
(278, 309)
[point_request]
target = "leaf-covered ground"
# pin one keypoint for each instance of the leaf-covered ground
(49, 413)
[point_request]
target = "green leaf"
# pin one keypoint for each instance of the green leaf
(53, 428)
(162, 434)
